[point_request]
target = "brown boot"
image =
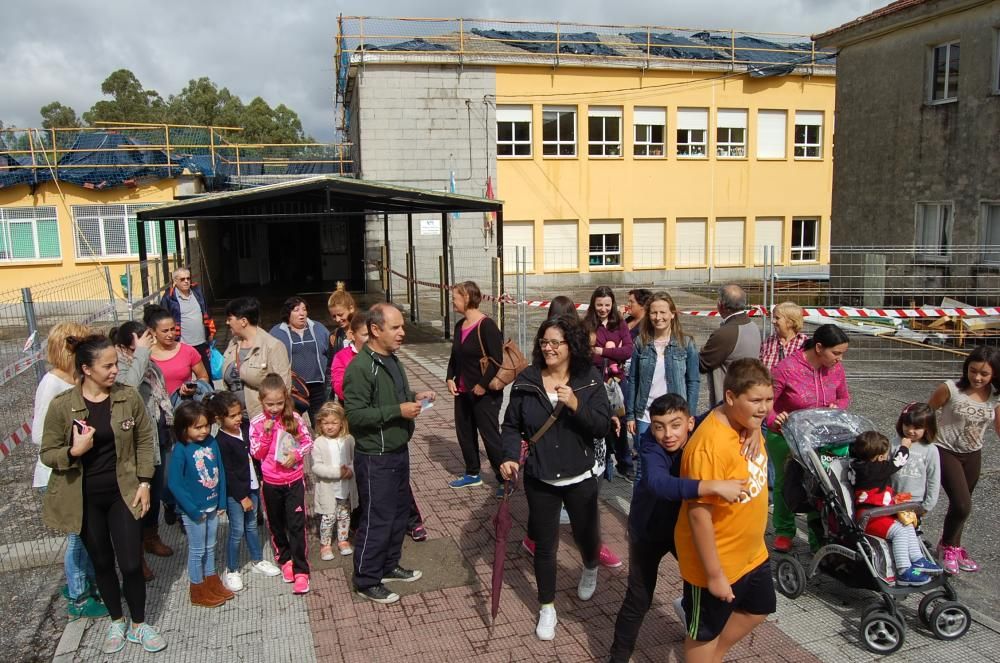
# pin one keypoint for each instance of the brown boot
(201, 596)
(147, 573)
(152, 543)
(214, 584)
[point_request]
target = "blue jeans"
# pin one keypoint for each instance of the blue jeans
(242, 523)
(79, 568)
(201, 545)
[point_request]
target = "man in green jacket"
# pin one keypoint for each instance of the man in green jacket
(381, 409)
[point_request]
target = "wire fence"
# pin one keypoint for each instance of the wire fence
(93, 298)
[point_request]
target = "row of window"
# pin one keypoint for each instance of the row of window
(934, 222)
(649, 132)
(32, 233)
(944, 65)
(691, 247)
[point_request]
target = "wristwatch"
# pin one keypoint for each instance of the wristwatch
(144, 484)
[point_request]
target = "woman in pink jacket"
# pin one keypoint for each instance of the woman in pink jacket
(810, 378)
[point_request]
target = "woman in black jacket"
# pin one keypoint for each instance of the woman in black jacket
(477, 407)
(559, 467)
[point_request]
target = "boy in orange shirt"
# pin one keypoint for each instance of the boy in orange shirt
(728, 589)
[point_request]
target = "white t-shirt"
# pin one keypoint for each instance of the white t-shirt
(659, 386)
(569, 481)
(50, 387)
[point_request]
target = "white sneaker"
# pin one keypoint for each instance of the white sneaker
(588, 584)
(233, 581)
(546, 629)
(266, 567)
(679, 610)
(563, 516)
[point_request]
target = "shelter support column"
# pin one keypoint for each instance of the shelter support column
(446, 291)
(411, 273)
(164, 256)
(388, 257)
(140, 238)
(500, 286)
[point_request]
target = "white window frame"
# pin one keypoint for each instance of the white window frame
(811, 145)
(558, 144)
(686, 133)
(644, 121)
(608, 149)
(30, 215)
(932, 74)
(989, 257)
(797, 252)
(605, 230)
(682, 259)
(767, 129)
(728, 121)
(115, 212)
(514, 116)
(940, 250)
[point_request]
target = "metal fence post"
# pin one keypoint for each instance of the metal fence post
(128, 293)
(111, 294)
(36, 344)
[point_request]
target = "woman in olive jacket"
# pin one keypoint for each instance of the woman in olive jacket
(99, 442)
(559, 467)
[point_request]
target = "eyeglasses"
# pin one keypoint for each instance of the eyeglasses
(550, 343)
(182, 278)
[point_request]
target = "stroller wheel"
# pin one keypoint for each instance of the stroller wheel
(790, 577)
(926, 606)
(881, 632)
(950, 620)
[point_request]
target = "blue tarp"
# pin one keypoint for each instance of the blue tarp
(115, 162)
(669, 45)
(765, 62)
(573, 43)
(411, 45)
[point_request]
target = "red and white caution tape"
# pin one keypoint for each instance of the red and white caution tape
(11, 371)
(9, 443)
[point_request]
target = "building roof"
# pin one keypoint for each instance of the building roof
(361, 196)
(900, 13)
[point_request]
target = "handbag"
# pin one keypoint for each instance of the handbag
(512, 362)
(215, 361)
(300, 392)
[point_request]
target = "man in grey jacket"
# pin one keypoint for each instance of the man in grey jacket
(736, 338)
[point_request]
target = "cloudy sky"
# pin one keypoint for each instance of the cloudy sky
(61, 50)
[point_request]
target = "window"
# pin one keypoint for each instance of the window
(689, 242)
(110, 230)
(29, 233)
(692, 132)
(604, 131)
(996, 61)
(808, 134)
(767, 232)
(647, 243)
(605, 244)
(559, 131)
(805, 242)
(990, 237)
(518, 234)
(771, 134)
(933, 229)
(513, 131)
(650, 132)
(729, 235)
(561, 250)
(944, 72)
(731, 133)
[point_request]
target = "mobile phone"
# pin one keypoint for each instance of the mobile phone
(191, 385)
(80, 424)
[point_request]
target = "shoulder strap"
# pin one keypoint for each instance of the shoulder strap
(479, 335)
(548, 423)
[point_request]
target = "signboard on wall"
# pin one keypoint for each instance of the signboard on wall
(430, 226)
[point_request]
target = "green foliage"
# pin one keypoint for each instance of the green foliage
(201, 102)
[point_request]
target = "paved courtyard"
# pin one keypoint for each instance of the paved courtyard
(446, 615)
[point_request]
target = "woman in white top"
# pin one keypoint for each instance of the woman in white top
(81, 589)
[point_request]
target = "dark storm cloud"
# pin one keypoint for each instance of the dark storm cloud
(283, 51)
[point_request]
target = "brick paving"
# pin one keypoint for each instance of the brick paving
(267, 623)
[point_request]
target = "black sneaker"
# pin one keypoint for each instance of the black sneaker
(378, 594)
(170, 515)
(399, 574)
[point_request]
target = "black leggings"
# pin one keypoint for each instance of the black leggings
(110, 532)
(544, 501)
(479, 416)
(959, 476)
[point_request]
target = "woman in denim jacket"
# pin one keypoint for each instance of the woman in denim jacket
(660, 337)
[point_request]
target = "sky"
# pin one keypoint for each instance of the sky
(61, 50)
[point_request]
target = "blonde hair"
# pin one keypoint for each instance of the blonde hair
(646, 330)
(341, 298)
(331, 410)
(57, 351)
(791, 312)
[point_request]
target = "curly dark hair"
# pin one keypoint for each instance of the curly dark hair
(289, 306)
(577, 338)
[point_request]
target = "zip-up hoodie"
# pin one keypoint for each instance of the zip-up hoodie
(262, 448)
(799, 386)
(321, 337)
(338, 369)
(567, 448)
(373, 411)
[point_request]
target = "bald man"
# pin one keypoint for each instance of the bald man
(736, 338)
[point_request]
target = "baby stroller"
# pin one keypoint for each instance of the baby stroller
(817, 442)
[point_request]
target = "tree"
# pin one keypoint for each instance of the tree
(130, 102)
(201, 102)
(55, 115)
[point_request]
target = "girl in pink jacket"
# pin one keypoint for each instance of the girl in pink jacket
(357, 334)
